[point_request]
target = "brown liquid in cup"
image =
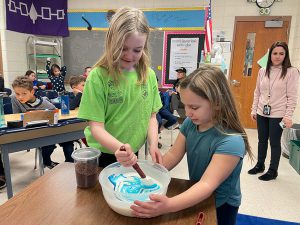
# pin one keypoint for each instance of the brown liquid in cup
(86, 174)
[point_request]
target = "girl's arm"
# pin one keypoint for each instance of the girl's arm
(292, 96)
(220, 167)
(63, 71)
(111, 143)
(218, 170)
(153, 139)
(176, 153)
(103, 137)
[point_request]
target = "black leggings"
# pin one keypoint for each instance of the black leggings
(226, 214)
(269, 128)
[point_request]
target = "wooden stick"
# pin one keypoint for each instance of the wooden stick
(135, 166)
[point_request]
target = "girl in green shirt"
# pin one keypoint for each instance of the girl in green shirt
(120, 97)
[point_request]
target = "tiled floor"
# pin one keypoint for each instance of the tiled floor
(277, 199)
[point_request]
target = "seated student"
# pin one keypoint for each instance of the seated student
(77, 85)
(176, 104)
(36, 84)
(24, 100)
(87, 70)
(164, 113)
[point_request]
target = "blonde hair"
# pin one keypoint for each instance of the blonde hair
(125, 22)
(23, 82)
(210, 83)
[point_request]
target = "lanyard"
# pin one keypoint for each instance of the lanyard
(271, 86)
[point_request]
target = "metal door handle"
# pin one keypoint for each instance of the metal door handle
(235, 83)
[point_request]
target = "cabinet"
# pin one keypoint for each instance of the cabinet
(39, 49)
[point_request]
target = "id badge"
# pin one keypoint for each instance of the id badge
(267, 110)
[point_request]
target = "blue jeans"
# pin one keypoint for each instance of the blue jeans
(68, 148)
(167, 115)
(226, 214)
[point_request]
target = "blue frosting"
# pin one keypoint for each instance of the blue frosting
(132, 185)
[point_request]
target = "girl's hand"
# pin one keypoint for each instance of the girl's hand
(155, 154)
(253, 117)
(125, 156)
(287, 122)
(160, 205)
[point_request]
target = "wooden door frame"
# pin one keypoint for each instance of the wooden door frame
(255, 19)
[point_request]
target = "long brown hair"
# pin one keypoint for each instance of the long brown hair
(210, 83)
(286, 62)
(125, 22)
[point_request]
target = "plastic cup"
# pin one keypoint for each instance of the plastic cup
(86, 166)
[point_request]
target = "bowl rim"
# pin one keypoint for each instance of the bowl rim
(140, 161)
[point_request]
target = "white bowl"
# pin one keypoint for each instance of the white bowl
(121, 202)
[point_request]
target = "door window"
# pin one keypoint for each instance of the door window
(249, 54)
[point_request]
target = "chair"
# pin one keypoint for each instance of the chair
(40, 93)
(8, 91)
(49, 86)
(8, 108)
(6, 100)
(51, 94)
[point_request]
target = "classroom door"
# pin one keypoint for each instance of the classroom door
(251, 42)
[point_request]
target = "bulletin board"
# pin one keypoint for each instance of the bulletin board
(181, 49)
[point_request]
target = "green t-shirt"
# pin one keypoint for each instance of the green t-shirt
(124, 108)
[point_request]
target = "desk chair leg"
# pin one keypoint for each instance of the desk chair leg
(35, 157)
(41, 163)
(172, 128)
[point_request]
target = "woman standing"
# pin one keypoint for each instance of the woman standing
(275, 99)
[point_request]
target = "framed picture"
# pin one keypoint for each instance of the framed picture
(181, 49)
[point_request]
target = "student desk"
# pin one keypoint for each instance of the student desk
(36, 137)
(55, 199)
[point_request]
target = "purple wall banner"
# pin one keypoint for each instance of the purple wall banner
(40, 17)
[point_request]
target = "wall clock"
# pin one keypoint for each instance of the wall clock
(264, 5)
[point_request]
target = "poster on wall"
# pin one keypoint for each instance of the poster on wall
(47, 17)
(181, 49)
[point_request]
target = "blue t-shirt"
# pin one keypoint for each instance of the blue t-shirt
(200, 148)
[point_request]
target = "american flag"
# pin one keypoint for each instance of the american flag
(208, 31)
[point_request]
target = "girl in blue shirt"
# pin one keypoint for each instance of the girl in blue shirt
(215, 143)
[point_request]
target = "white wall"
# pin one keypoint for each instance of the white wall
(13, 46)
(223, 12)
